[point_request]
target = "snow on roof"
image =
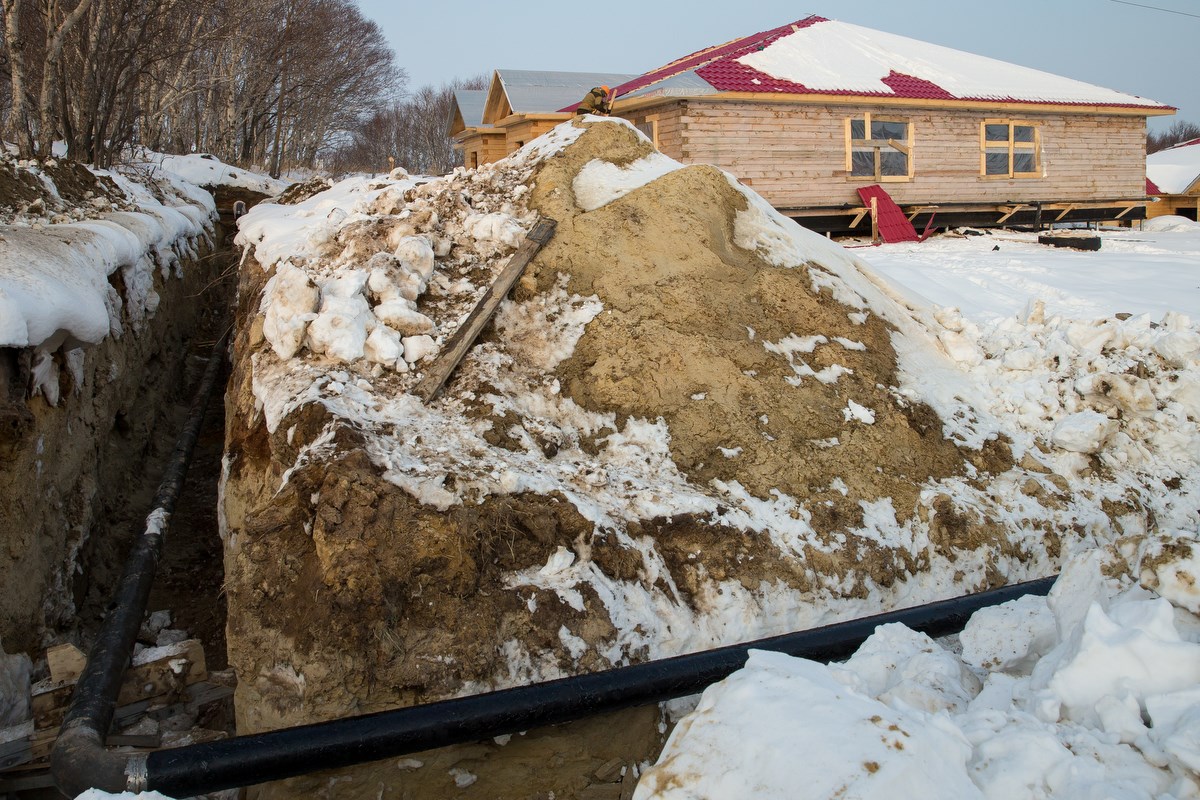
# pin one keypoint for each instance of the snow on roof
(1175, 169)
(820, 56)
(541, 92)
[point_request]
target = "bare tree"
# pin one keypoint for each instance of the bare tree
(1180, 131)
(277, 80)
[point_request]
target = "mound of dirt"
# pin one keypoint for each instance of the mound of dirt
(53, 188)
(694, 424)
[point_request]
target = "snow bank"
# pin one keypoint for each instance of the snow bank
(57, 284)
(205, 170)
(1170, 223)
(1088, 693)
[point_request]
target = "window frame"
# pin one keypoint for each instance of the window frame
(878, 146)
(1010, 148)
(652, 135)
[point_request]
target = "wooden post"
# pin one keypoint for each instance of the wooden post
(437, 375)
(874, 220)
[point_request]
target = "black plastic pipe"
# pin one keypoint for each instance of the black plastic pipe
(245, 760)
(79, 760)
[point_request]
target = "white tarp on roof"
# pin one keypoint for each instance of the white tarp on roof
(1175, 169)
(832, 56)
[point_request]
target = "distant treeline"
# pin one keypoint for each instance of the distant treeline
(278, 83)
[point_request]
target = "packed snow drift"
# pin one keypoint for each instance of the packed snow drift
(693, 424)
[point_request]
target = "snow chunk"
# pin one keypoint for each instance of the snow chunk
(418, 347)
(859, 412)
(1083, 432)
(289, 303)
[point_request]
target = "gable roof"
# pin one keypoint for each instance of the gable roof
(523, 91)
(466, 110)
(816, 55)
(1175, 170)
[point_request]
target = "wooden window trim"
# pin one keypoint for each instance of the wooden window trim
(905, 147)
(1012, 147)
(653, 135)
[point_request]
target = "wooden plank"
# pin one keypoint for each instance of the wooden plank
(66, 662)
(437, 375)
(156, 671)
(1008, 211)
(14, 744)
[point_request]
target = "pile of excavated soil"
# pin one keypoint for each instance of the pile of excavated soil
(668, 440)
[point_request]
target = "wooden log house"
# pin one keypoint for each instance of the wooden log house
(519, 106)
(808, 112)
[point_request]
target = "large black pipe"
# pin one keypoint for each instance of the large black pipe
(245, 760)
(79, 760)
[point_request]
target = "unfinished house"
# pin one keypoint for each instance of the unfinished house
(521, 105)
(812, 111)
(1173, 178)
(478, 143)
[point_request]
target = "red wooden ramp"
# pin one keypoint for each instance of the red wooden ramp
(893, 225)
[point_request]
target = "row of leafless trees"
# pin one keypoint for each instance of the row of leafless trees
(271, 82)
(1180, 131)
(412, 131)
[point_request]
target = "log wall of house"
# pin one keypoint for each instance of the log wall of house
(795, 155)
(1178, 204)
(668, 121)
(483, 148)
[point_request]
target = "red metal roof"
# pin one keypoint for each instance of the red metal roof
(1152, 187)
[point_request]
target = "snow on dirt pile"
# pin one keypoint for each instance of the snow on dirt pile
(693, 423)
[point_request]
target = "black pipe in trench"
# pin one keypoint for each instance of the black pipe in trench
(79, 760)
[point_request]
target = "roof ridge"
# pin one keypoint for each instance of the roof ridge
(697, 59)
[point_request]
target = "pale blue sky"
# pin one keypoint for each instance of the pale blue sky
(1111, 44)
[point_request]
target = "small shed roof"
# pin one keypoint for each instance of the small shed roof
(816, 55)
(1175, 170)
(523, 91)
(466, 110)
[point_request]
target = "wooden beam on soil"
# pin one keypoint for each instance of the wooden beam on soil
(437, 375)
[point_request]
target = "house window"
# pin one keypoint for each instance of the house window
(650, 129)
(879, 149)
(1009, 149)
